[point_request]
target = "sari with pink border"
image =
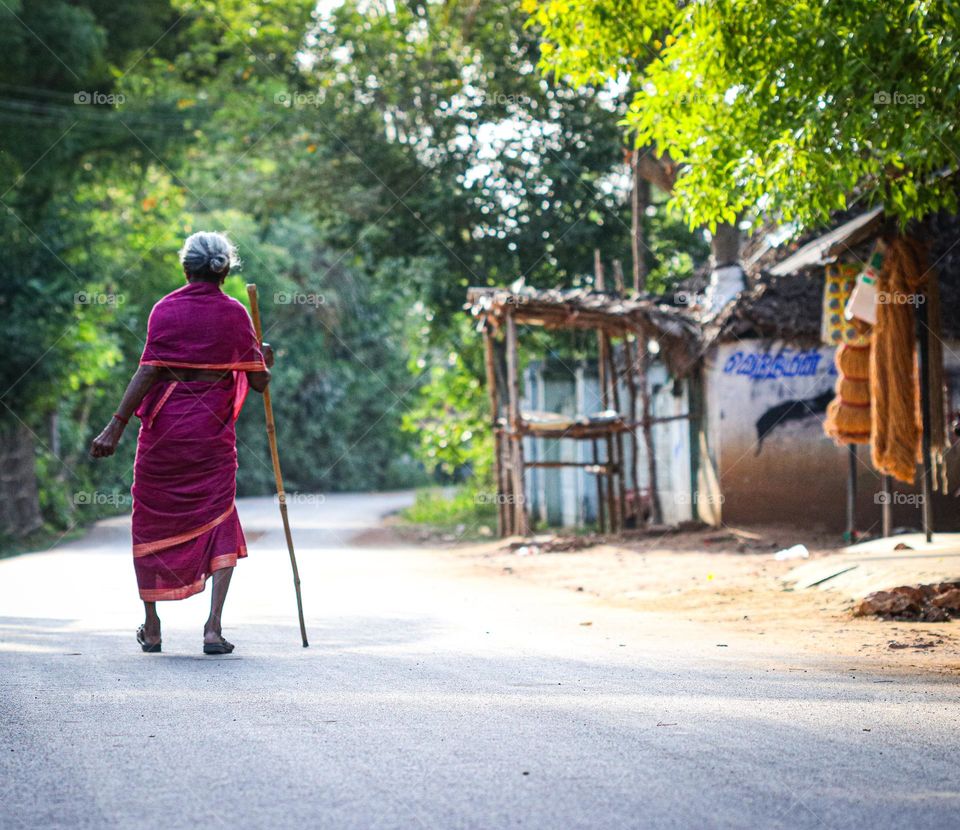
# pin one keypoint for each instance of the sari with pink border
(185, 523)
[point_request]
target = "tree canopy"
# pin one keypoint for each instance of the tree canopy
(370, 160)
(773, 109)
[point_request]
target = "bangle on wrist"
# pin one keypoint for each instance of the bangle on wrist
(121, 419)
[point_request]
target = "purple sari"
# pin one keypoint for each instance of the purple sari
(185, 523)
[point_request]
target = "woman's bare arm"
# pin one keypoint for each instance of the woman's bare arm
(142, 381)
(259, 380)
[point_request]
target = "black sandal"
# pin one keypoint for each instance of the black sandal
(223, 647)
(151, 648)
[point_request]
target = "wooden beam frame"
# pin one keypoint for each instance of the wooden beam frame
(490, 360)
(521, 521)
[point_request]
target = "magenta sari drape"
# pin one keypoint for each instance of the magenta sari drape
(185, 523)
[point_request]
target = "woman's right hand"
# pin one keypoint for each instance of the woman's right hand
(267, 351)
(105, 444)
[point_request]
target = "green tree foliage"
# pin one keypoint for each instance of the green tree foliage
(59, 63)
(45, 154)
(370, 162)
(428, 144)
(773, 108)
(422, 135)
(451, 414)
(341, 383)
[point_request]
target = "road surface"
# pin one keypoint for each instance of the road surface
(432, 698)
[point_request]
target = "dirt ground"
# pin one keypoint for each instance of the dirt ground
(725, 579)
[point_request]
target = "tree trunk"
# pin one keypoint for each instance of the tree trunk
(640, 199)
(725, 246)
(19, 498)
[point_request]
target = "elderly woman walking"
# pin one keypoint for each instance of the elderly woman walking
(200, 358)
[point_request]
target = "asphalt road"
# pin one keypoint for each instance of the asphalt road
(432, 698)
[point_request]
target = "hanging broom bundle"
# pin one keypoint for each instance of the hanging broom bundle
(848, 414)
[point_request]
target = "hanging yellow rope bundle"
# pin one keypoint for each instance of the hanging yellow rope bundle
(904, 282)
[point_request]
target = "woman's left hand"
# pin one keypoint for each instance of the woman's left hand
(267, 350)
(105, 444)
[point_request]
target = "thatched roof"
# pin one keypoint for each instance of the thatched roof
(774, 308)
(676, 330)
(833, 245)
(784, 299)
(942, 231)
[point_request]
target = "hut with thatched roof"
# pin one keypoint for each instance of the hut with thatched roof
(732, 397)
(554, 434)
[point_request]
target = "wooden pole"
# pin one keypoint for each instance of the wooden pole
(639, 199)
(611, 494)
(886, 509)
(632, 414)
(618, 438)
(618, 284)
(275, 456)
(851, 493)
(602, 363)
(604, 376)
(506, 476)
(504, 447)
(632, 394)
(497, 438)
(923, 333)
(521, 523)
(695, 415)
(656, 514)
(599, 477)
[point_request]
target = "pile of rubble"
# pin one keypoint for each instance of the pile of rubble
(553, 544)
(925, 603)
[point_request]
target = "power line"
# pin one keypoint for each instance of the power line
(88, 117)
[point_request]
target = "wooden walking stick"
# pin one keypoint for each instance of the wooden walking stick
(275, 455)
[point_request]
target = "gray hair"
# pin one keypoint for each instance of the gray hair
(207, 254)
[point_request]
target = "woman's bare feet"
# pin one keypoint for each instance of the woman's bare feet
(151, 624)
(213, 642)
(221, 583)
(212, 635)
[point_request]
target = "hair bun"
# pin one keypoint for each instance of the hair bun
(218, 263)
(206, 254)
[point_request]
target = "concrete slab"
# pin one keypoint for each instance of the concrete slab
(877, 565)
